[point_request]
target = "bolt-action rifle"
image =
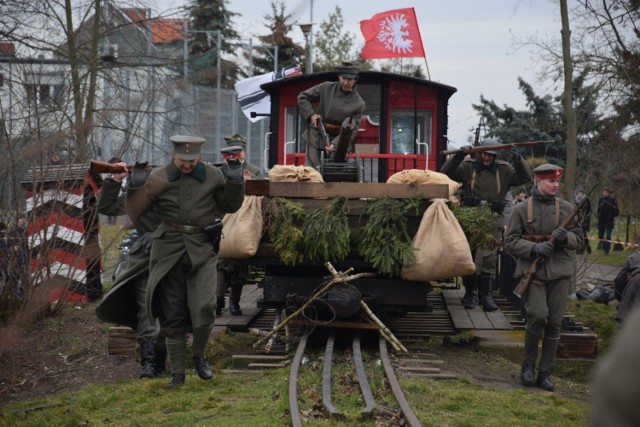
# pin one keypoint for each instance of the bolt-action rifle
(97, 166)
(496, 147)
(325, 134)
(522, 286)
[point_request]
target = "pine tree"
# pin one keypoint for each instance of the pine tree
(212, 16)
(289, 53)
(332, 46)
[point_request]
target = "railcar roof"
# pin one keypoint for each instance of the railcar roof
(365, 77)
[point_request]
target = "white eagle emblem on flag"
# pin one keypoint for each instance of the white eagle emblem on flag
(395, 35)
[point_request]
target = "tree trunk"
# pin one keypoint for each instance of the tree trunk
(570, 115)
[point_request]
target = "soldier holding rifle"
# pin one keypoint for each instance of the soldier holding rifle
(329, 104)
(535, 232)
(486, 181)
(125, 302)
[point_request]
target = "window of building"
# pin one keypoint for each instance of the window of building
(44, 94)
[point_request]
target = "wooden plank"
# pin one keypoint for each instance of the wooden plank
(498, 320)
(418, 370)
(355, 190)
(475, 318)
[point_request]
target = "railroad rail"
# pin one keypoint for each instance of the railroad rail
(369, 403)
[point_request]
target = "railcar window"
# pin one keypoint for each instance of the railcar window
(291, 116)
(407, 126)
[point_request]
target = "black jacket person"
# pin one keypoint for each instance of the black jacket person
(187, 195)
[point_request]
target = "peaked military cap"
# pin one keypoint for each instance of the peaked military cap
(548, 171)
(236, 140)
(187, 147)
(231, 150)
(348, 70)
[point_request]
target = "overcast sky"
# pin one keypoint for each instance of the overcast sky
(469, 44)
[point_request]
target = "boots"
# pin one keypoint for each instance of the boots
(470, 298)
(161, 358)
(234, 308)
(527, 374)
(176, 347)
(201, 364)
(486, 290)
(147, 358)
(547, 357)
(221, 288)
(198, 348)
(544, 381)
(219, 305)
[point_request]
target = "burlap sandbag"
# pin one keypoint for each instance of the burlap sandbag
(419, 176)
(442, 250)
(242, 229)
(292, 173)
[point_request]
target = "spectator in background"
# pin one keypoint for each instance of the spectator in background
(520, 197)
(584, 218)
(606, 213)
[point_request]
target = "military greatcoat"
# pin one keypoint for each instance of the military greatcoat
(120, 304)
(334, 105)
(191, 200)
(490, 184)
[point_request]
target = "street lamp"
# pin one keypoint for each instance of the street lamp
(306, 31)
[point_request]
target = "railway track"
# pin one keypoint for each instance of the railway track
(329, 408)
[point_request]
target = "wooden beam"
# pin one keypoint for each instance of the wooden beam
(353, 190)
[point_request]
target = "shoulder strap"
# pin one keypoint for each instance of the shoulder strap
(530, 214)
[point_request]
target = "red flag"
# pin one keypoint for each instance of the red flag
(392, 34)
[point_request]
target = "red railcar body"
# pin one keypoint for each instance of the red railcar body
(404, 125)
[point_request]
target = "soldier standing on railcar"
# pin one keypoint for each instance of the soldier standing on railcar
(331, 103)
(486, 181)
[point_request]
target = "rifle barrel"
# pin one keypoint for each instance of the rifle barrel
(481, 148)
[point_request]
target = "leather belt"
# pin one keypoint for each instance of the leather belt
(189, 229)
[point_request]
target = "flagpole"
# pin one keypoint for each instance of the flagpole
(427, 65)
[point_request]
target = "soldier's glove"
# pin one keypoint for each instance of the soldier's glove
(139, 174)
(460, 155)
(515, 153)
(542, 249)
(559, 234)
(497, 206)
(233, 170)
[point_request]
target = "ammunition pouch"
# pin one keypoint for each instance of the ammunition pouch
(214, 233)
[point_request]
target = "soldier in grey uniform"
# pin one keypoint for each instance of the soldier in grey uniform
(125, 302)
(331, 102)
(486, 181)
(531, 225)
(187, 195)
(233, 277)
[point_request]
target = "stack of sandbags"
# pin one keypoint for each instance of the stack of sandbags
(292, 173)
(419, 176)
